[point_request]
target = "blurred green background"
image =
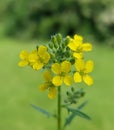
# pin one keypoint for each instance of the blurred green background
(26, 23)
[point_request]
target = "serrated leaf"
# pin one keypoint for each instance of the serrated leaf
(43, 111)
(72, 116)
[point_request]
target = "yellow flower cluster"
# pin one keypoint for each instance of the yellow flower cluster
(58, 65)
(82, 68)
(62, 73)
(78, 47)
(37, 58)
(48, 85)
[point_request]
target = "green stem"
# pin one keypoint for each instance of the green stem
(59, 108)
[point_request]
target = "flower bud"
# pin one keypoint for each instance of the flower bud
(63, 45)
(51, 45)
(72, 61)
(68, 94)
(67, 40)
(59, 37)
(53, 39)
(56, 45)
(82, 93)
(72, 89)
(74, 101)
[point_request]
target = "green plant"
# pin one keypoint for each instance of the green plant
(62, 61)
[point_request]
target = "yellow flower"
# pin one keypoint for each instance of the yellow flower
(78, 46)
(48, 85)
(39, 58)
(24, 58)
(52, 92)
(83, 68)
(61, 71)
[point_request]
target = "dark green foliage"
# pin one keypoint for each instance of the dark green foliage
(42, 18)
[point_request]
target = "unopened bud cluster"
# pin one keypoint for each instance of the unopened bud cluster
(59, 49)
(74, 95)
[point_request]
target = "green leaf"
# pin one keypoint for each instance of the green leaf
(79, 113)
(82, 105)
(72, 116)
(41, 110)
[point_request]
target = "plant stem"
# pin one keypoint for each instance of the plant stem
(59, 108)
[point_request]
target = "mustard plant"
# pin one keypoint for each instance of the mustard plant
(63, 63)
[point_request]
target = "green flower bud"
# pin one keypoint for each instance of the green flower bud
(77, 94)
(82, 93)
(67, 39)
(72, 61)
(56, 45)
(59, 37)
(74, 101)
(63, 45)
(68, 94)
(53, 39)
(72, 89)
(50, 45)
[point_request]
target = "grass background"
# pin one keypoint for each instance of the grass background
(19, 88)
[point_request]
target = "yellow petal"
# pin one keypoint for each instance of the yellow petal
(72, 45)
(34, 52)
(45, 57)
(78, 55)
(47, 76)
(88, 80)
(89, 66)
(52, 92)
(65, 66)
(57, 81)
(86, 47)
(37, 65)
(24, 54)
(79, 64)
(43, 87)
(42, 49)
(78, 38)
(68, 80)
(77, 77)
(23, 63)
(56, 68)
(33, 57)
(69, 38)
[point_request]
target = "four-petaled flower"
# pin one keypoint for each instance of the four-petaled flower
(62, 73)
(48, 85)
(39, 58)
(78, 47)
(83, 68)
